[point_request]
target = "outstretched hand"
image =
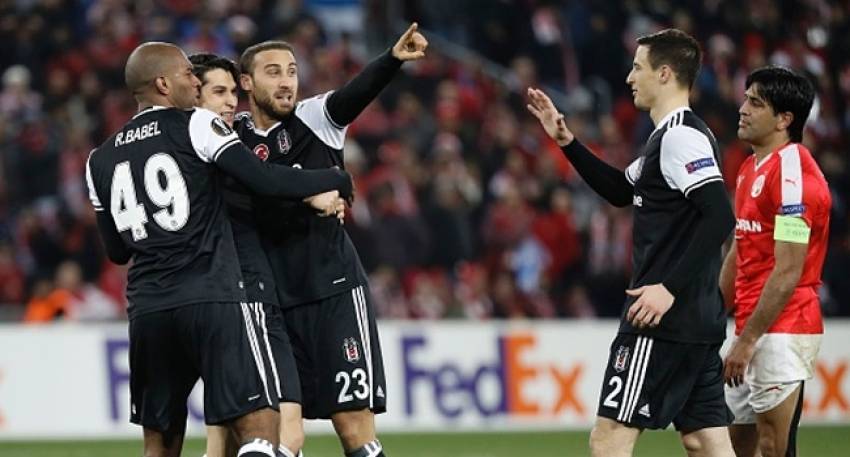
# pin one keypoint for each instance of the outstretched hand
(411, 45)
(541, 106)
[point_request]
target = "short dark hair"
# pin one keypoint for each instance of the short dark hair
(785, 91)
(202, 63)
(676, 49)
(246, 62)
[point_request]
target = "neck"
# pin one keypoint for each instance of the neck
(667, 105)
(262, 120)
(147, 102)
(770, 144)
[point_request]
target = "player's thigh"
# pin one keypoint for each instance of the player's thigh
(777, 425)
(347, 364)
(167, 443)
(162, 372)
(230, 359)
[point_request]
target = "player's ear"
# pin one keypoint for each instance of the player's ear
(785, 120)
(162, 84)
(665, 74)
(246, 82)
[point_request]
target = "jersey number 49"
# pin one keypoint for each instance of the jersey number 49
(165, 187)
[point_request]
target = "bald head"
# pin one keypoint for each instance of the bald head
(159, 73)
(149, 61)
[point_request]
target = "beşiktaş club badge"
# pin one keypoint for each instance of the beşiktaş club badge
(220, 127)
(284, 142)
(621, 359)
(350, 350)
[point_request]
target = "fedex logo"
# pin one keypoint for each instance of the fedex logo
(502, 385)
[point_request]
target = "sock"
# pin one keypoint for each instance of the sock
(370, 449)
(256, 448)
(283, 451)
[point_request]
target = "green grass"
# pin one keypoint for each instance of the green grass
(813, 441)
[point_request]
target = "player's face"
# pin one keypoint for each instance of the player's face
(186, 87)
(757, 120)
(274, 82)
(643, 80)
(218, 94)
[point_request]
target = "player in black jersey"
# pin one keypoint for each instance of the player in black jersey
(664, 364)
(218, 77)
(165, 212)
(321, 283)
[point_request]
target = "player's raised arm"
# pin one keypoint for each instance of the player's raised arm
(346, 103)
(215, 142)
(609, 182)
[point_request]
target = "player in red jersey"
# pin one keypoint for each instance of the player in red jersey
(772, 273)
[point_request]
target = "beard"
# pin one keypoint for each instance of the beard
(267, 105)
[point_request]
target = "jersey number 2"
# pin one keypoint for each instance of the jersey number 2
(169, 194)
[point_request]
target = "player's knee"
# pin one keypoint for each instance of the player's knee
(768, 443)
(693, 444)
(598, 441)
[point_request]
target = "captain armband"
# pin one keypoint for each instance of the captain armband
(791, 229)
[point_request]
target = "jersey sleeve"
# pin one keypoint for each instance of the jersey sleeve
(633, 170)
(795, 195)
(313, 113)
(687, 159)
(93, 197)
(209, 134)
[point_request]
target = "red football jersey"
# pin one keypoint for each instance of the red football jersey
(787, 182)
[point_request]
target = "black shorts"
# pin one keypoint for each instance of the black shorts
(170, 349)
(650, 383)
(277, 352)
(336, 347)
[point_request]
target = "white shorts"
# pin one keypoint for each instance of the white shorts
(780, 362)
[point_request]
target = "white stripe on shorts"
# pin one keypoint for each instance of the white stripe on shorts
(359, 298)
(255, 349)
(635, 378)
(261, 321)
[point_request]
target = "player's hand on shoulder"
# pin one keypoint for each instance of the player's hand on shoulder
(411, 45)
(325, 203)
(541, 106)
(653, 302)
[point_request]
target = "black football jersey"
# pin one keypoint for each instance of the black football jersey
(680, 155)
(157, 180)
(256, 272)
(312, 257)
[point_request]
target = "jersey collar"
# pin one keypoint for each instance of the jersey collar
(758, 163)
(669, 115)
(266, 131)
(149, 109)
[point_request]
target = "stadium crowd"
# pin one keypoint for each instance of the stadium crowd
(464, 207)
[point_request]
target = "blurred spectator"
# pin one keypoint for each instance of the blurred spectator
(464, 207)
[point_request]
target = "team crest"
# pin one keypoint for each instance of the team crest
(758, 185)
(621, 359)
(350, 350)
(284, 142)
(261, 151)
